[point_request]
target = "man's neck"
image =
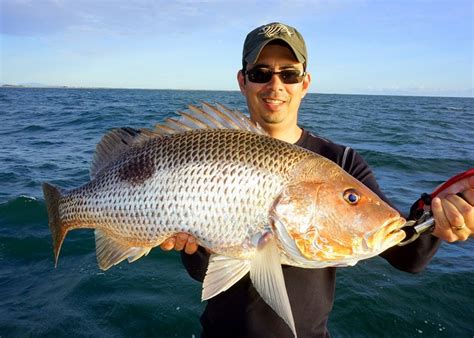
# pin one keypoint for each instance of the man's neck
(290, 135)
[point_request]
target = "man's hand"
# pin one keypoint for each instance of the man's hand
(179, 242)
(454, 215)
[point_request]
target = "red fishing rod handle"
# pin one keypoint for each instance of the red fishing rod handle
(452, 180)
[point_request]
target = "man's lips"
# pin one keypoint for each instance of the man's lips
(273, 101)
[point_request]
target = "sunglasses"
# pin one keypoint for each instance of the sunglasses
(263, 75)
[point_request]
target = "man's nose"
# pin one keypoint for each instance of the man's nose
(275, 82)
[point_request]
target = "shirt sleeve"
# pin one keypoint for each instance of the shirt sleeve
(412, 257)
(196, 264)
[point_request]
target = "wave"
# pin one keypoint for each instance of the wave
(25, 236)
(460, 109)
(33, 128)
(22, 209)
(9, 177)
(403, 163)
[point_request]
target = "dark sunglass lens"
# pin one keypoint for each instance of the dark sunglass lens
(260, 75)
(291, 76)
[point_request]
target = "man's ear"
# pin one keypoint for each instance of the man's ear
(241, 81)
(306, 83)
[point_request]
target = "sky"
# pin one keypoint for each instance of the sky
(380, 47)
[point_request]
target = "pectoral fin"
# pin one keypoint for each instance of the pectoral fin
(267, 278)
(265, 272)
(222, 273)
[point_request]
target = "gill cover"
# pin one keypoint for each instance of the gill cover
(294, 217)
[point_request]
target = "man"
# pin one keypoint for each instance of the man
(273, 80)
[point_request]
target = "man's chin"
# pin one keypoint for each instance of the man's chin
(273, 117)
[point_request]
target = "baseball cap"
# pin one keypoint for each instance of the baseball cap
(261, 36)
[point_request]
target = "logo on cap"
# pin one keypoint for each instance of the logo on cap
(275, 29)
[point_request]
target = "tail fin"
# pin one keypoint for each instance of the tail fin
(58, 231)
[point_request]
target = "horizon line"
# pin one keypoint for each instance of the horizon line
(42, 86)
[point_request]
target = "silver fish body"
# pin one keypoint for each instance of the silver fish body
(216, 184)
(255, 201)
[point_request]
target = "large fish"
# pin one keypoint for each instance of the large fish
(255, 201)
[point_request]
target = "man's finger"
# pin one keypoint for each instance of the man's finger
(453, 215)
(191, 246)
(462, 185)
(442, 229)
(464, 208)
(181, 240)
(168, 244)
(468, 196)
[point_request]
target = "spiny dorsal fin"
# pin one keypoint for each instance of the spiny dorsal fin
(208, 117)
(115, 143)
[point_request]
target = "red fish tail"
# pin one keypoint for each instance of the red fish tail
(52, 196)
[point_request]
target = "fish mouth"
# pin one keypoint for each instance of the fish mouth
(387, 235)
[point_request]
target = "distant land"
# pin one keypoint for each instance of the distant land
(40, 85)
(30, 85)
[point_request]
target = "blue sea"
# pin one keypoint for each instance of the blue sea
(412, 143)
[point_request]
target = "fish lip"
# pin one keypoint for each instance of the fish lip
(394, 224)
(387, 231)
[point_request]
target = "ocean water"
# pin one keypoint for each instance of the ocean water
(412, 143)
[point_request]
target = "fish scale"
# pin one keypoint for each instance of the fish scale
(191, 186)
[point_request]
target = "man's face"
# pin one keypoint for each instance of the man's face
(274, 103)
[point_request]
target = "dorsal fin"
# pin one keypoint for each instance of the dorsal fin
(116, 142)
(208, 117)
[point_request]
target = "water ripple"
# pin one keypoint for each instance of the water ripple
(412, 144)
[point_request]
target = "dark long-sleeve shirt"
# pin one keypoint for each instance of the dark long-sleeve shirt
(241, 312)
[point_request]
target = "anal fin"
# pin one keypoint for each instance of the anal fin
(222, 273)
(110, 252)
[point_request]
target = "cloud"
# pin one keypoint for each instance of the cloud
(34, 18)
(46, 17)
(141, 17)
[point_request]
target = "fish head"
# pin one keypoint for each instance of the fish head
(334, 222)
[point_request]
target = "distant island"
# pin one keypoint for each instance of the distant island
(30, 85)
(14, 86)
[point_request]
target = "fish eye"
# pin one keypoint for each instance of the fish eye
(351, 196)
